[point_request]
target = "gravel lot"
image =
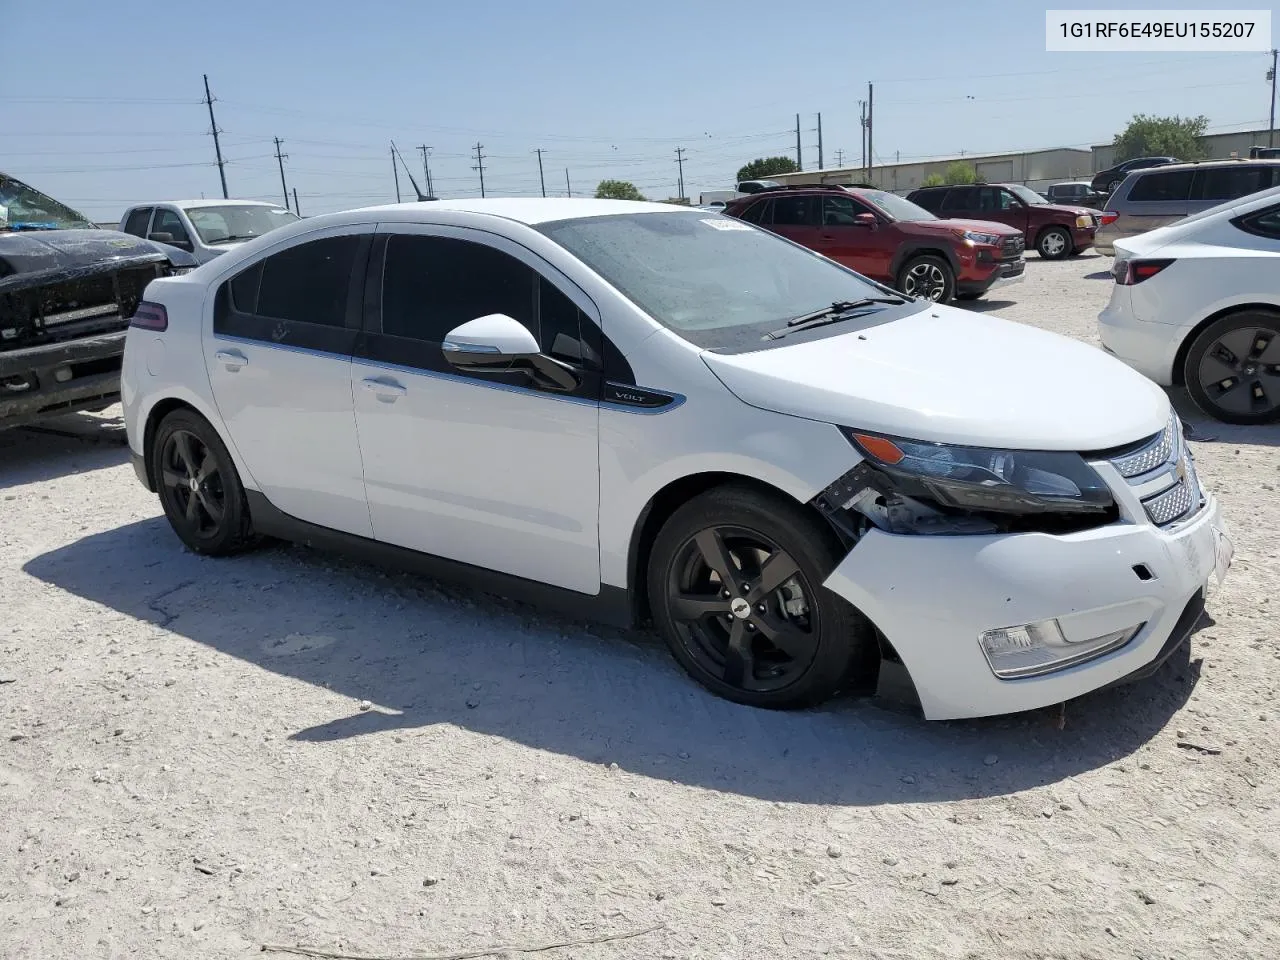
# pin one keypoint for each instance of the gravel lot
(199, 757)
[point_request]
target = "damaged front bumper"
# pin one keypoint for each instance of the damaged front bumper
(53, 379)
(934, 597)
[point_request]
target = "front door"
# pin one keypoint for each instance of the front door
(1000, 206)
(487, 469)
(862, 246)
(798, 218)
(279, 360)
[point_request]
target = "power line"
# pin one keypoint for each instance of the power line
(217, 147)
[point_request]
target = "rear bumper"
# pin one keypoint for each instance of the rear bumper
(932, 597)
(59, 378)
(1148, 348)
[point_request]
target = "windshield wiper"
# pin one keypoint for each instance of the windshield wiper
(838, 312)
(234, 238)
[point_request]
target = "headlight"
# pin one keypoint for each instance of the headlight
(990, 239)
(979, 478)
(1083, 221)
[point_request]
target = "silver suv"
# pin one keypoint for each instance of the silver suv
(1152, 198)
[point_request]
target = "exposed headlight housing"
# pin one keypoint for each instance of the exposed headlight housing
(987, 239)
(1034, 649)
(985, 479)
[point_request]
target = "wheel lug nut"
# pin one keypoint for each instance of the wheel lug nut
(750, 625)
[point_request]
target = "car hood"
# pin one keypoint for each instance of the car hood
(1066, 209)
(42, 252)
(977, 226)
(950, 376)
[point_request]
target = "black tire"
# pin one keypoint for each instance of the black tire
(1054, 244)
(928, 277)
(209, 515)
(823, 642)
(1232, 368)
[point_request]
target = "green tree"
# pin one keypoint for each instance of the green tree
(933, 180)
(960, 172)
(764, 167)
(617, 190)
(1147, 136)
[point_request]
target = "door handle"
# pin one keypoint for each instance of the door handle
(385, 390)
(233, 360)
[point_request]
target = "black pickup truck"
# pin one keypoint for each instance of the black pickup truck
(67, 291)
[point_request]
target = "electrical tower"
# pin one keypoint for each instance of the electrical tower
(480, 165)
(217, 147)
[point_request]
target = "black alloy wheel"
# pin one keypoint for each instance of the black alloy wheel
(199, 487)
(735, 583)
(1232, 370)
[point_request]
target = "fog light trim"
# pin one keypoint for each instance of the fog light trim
(1034, 649)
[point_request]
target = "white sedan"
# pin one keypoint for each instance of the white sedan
(808, 481)
(1197, 303)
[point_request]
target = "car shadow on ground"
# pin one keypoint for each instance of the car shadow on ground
(426, 654)
(1100, 275)
(1203, 429)
(984, 306)
(72, 444)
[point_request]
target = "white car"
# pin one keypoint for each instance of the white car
(807, 480)
(205, 228)
(1197, 303)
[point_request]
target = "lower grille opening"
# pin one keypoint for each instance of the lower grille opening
(1143, 571)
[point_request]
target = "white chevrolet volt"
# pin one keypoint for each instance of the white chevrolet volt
(632, 411)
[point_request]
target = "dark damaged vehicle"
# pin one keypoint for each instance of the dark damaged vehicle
(67, 291)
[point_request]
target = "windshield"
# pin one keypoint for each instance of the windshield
(1027, 195)
(716, 281)
(23, 208)
(234, 222)
(899, 208)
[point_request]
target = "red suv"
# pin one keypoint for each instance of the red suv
(887, 238)
(1056, 230)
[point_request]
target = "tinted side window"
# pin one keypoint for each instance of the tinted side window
(1264, 223)
(561, 327)
(432, 284)
(169, 222)
(137, 222)
(931, 200)
(1170, 186)
(244, 289)
(795, 212)
(755, 212)
(308, 283)
(959, 198)
(1229, 183)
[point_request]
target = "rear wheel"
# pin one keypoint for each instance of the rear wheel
(1113, 186)
(928, 277)
(1054, 243)
(735, 585)
(1232, 370)
(199, 487)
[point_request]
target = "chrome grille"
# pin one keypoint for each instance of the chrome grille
(1012, 248)
(1164, 476)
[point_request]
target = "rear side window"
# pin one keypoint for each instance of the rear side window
(304, 284)
(137, 222)
(755, 212)
(931, 200)
(961, 198)
(795, 212)
(1170, 186)
(1229, 183)
(1264, 223)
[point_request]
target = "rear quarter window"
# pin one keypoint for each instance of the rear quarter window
(1230, 183)
(1166, 187)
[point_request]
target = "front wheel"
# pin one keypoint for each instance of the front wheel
(735, 584)
(199, 486)
(1054, 244)
(1232, 370)
(928, 277)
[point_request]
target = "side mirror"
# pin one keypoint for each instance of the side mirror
(162, 237)
(865, 220)
(497, 344)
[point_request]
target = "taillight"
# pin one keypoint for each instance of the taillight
(1109, 216)
(1129, 272)
(150, 316)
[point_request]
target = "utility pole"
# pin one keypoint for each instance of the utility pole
(217, 147)
(480, 165)
(862, 132)
(296, 209)
(680, 164)
(821, 165)
(280, 158)
(799, 160)
(839, 158)
(394, 172)
(567, 192)
(1271, 75)
(426, 169)
(871, 153)
(541, 179)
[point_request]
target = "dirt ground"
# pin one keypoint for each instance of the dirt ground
(198, 757)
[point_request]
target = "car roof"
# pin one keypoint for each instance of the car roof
(189, 204)
(1196, 164)
(527, 210)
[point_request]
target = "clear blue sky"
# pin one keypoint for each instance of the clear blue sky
(100, 102)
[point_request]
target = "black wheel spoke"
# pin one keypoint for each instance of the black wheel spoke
(208, 467)
(787, 637)
(691, 607)
(1233, 347)
(171, 478)
(716, 556)
(212, 508)
(774, 572)
(1214, 370)
(192, 510)
(738, 664)
(182, 446)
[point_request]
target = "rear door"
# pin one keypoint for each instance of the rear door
(278, 354)
(959, 202)
(1215, 185)
(1152, 200)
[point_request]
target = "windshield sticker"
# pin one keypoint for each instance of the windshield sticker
(726, 224)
